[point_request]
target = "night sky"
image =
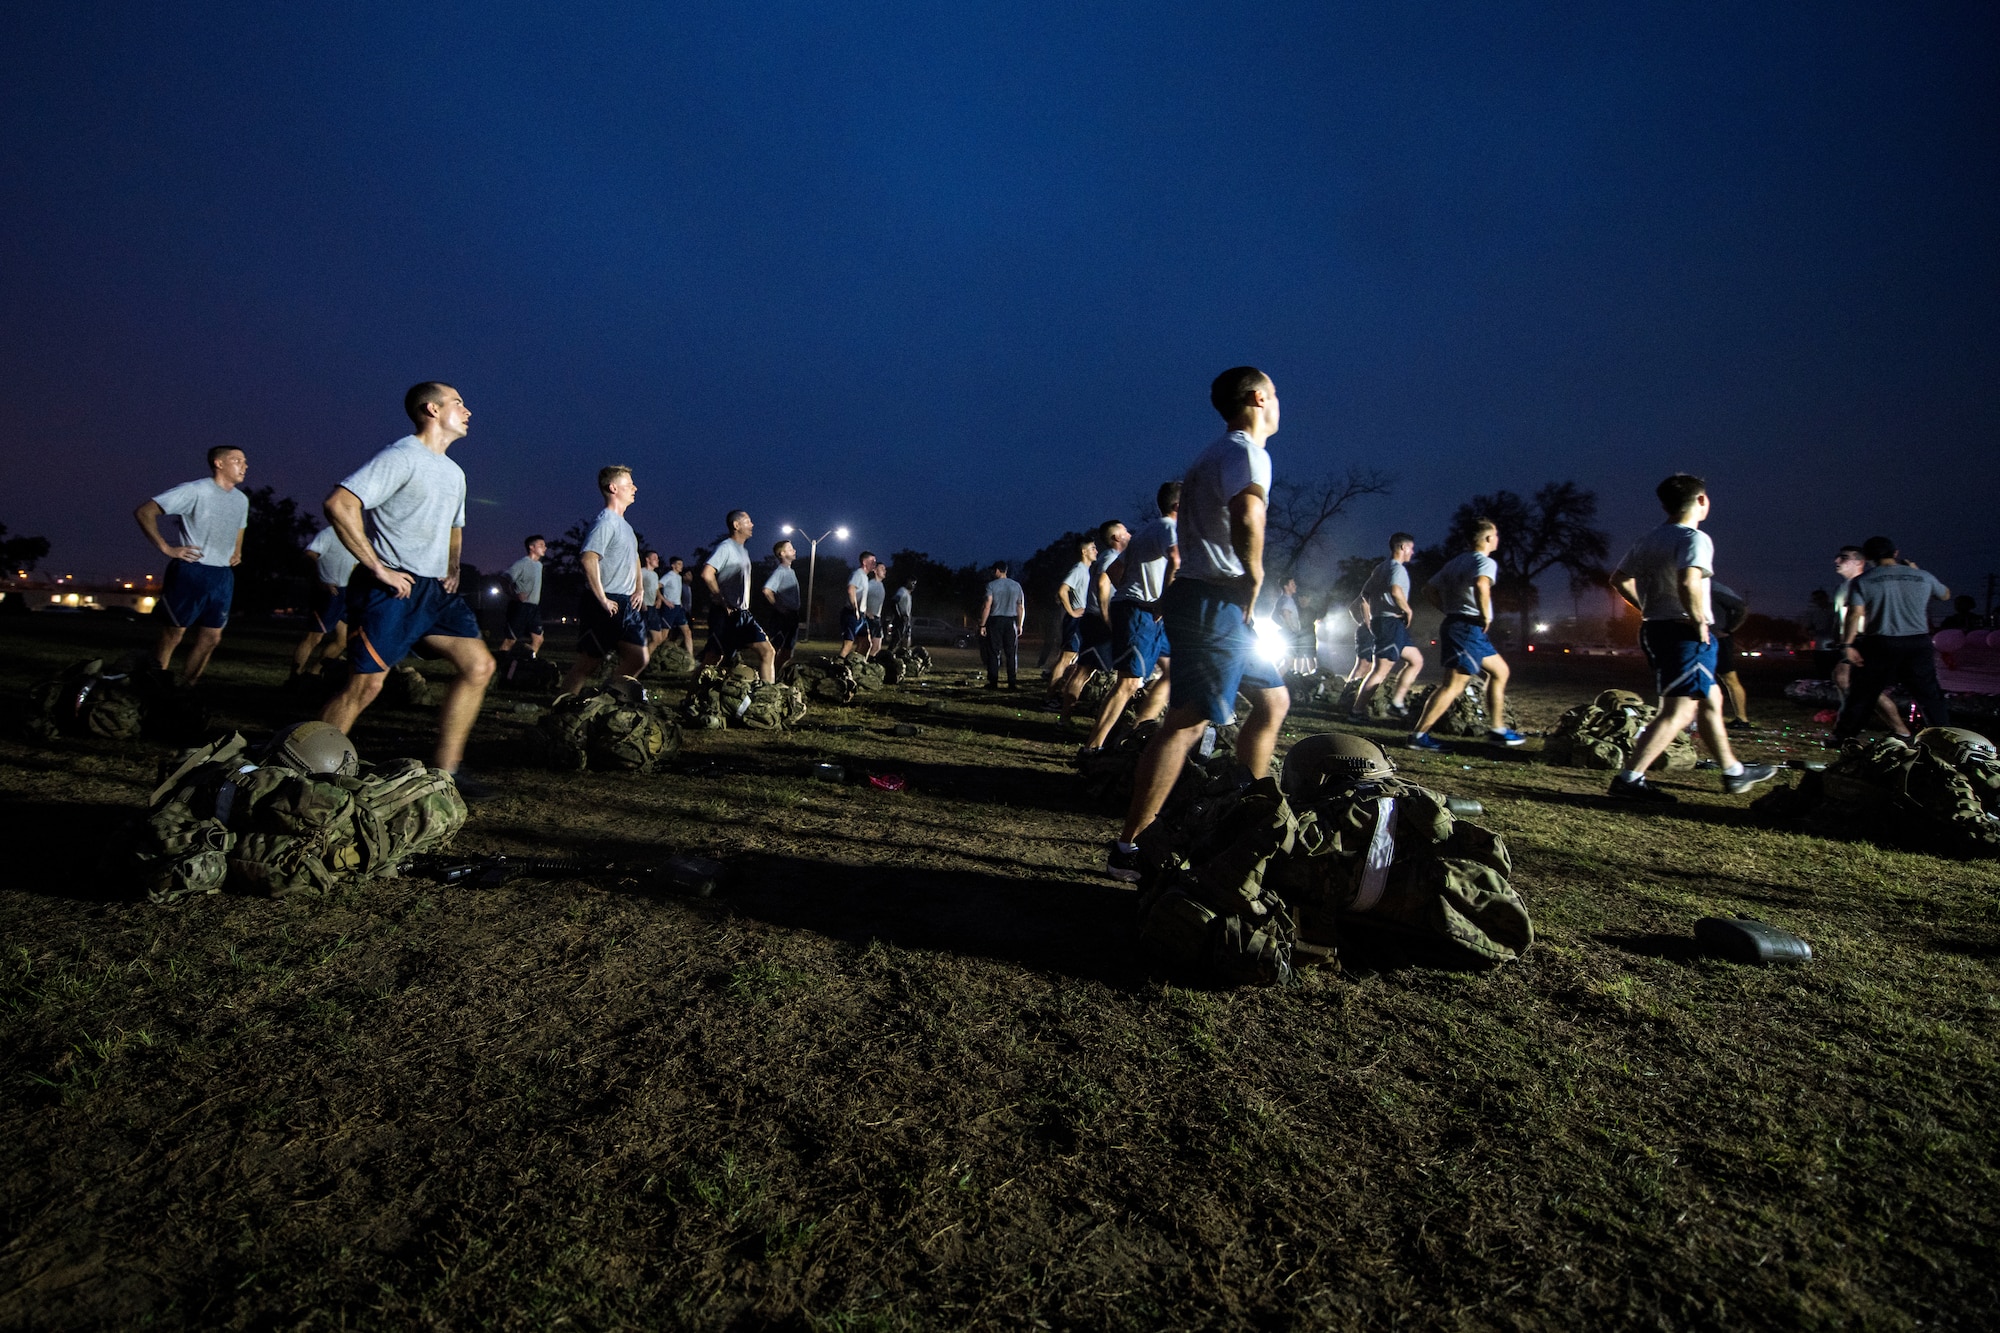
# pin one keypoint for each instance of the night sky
(958, 275)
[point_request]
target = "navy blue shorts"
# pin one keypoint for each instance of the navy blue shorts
(783, 630)
(329, 607)
(1098, 651)
(1392, 636)
(654, 618)
(197, 596)
(387, 626)
(673, 617)
(853, 627)
(1462, 641)
(732, 631)
(603, 632)
(1364, 640)
(1139, 640)
(1683, 666)
(1072, 633)
(1215, 652)
(524, 619)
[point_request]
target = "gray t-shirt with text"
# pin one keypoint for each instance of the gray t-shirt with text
(1894, 599)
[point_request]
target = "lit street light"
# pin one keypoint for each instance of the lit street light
(812, 565)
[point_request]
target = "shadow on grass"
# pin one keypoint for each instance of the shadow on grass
(69, 849)
(1671, 948)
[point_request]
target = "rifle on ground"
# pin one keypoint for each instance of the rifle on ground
(686, 875)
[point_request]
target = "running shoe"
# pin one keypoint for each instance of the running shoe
(1423, 740)
(1121, 863)
(1506, 736)
(1751, 775)
(1641, 791)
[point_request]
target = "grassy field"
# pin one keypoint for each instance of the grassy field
(905, 1072)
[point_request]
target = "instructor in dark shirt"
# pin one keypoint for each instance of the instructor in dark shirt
(1887, 638)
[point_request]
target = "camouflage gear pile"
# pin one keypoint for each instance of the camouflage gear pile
(1107, 772)
(740, 697)
(828, 679)
(1894, 793)
(1465, 717)
(901, 664)
(599, 728)
(520, 669)
(868, 675)
(217, 819)
(1604, 732)
(671, 661)
(1204, 910)
(120, 702)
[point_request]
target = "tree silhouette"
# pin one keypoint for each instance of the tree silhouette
(1301, 511)
(21, 552)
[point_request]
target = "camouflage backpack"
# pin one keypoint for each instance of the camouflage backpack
(407, 687)
(217, 817)
(1896, 793)
(703, 709)
(774, 707)
(522, 669)
(1107, 772)
(892, 666)
(867, 675)
(87, 700)
(1387, 855)
(670, 661)
(597, 728)
(828, 679)
(1465, 717)
(1603, 733)
(1206, 908)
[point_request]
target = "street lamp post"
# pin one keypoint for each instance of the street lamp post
(812, 564)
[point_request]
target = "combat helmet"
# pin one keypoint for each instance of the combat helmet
(1613, 700)
(1330, 760)
(627, 689)
(1955, 745)
(314, 747)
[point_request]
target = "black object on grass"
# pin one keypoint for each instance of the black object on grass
(1746, 940)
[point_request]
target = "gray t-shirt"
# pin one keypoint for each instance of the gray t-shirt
(336, 562)
(1224, 471)
(617, 549)
(1654, 565)
(201, 513)
(526, 575)
(1385, 576)
(1098, 566)
(649, 587)
(872, 599)
(731, 564)
(783, 585)
(1007, 598)
(857, 590)
(672, 591)
(1146, 563)
(1893, 599)
(1458, 582)
(412, 499)
(1078, 583)
(903, 603)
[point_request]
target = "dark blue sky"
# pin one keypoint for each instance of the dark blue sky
(958, 275)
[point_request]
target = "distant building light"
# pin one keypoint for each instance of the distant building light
(1541, 628)
(145, 604)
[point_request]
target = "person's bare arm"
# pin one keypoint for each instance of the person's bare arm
(593, 575)
(343, 511)
(148, 515)
(1246, 537)
(450, 581)
(1482, 589)
(715, 589)
(985, 610)
(1104, 595)
(1628, 588)
(1021, 617)
(1067, 596)
(770, 596)
(236, 556)
(1850, 629)
(1693, 582)
(1173, 567)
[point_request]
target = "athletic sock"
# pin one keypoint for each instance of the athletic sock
(1735, 770)
(1631, 775)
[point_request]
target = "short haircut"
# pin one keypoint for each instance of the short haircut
(1483, 525)
(1105, 529)
(1678, 492)
(1877, 548)
(1399, 538)
(644, 556)
(1854, 551)
(528, 543)
(607, 475)
(1168, 497)
(729, 519)
(1083, 542)
(780, 544)
(999, 566)
(421, 396)
(865, 557)
(673, 560)
(218, 452)
(1234, 388)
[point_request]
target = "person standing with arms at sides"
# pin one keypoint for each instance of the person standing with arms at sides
(1463, 589)
(674, 595)
(1000, 620)
(781, 593)
(1139, 577)
(1886, 638)
(1094, 652)
(854, 616)
(905, 605)
(402, 517)
(731, 627)
(650, 611)
(524, 597)
(1387, 596)
(333, 568)
(1210, 610)
(1071, 593)
(877, 595)
(1666, 575)
(1729, 608)
(203, 544)
(614, 622)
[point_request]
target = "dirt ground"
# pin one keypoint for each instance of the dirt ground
(906, 1072)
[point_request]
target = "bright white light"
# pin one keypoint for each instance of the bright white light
(840, 533)
(1541, 629)
(786, 529)
(1274, 645)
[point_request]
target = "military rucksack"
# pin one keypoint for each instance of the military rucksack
(219, 817)
(1465, 717)
(774, 707)
(119, 701)
(597, 728)
(703, 708)
(827, 679)
(406, 687)
(868, 675)
(520, 668)
(1204, 909)
(1603, 733)
(1896, 793)
(1107, 773)
(670, 660)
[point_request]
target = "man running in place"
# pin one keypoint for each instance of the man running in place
(1388, 596)
(674, 594)
(1666, 575)
(649, 601)
(1210, 611)
(854, 616)
(877, 596)
(1463, 590)
(402, 517)
(1095, 653)
(332, 568)
(524, 597)
(1139, 577)
(203, 544)
(781, 593)
(731, 627)
(1000, 621)
(614, 619)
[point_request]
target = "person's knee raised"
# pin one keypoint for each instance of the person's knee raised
(478, 668)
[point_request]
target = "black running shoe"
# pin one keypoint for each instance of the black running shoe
(1641, 791)
(1751, 775)
(1121, 864)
